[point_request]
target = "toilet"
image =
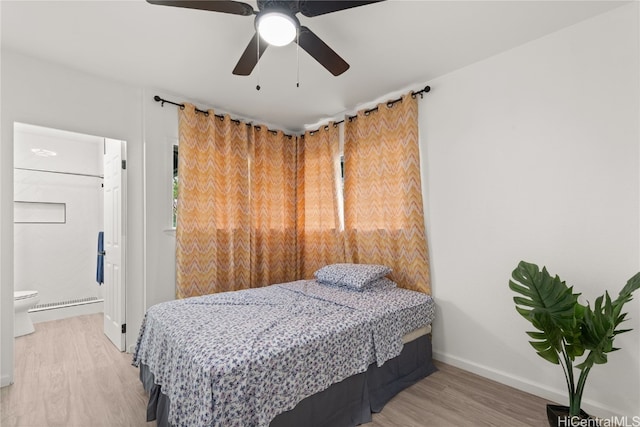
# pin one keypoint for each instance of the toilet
(23, 301)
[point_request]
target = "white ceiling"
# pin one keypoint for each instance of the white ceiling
(391, 46)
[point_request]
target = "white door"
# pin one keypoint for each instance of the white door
(114, 234)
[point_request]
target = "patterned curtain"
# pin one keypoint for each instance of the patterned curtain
(319, 237)
(273, 208)
(384, 220)
(213, 231)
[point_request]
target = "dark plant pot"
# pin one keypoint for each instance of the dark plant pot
(558, 416)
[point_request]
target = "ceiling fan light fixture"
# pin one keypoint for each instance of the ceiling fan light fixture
(277, 28)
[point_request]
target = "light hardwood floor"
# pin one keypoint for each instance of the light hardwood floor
(68, 374)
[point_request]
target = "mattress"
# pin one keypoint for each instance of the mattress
(416, 333)
(241, 358)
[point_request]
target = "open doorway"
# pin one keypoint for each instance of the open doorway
(68, 228)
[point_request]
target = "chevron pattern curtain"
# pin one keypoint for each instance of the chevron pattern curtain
(384, 219)
(213, 231)
(273, 207)
(320, 240)
(236, 225)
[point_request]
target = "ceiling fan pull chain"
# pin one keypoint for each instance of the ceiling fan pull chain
(298, 57)
(258, 61)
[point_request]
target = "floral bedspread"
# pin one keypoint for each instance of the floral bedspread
(241, 358)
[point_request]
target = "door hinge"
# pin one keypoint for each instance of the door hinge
(123, 328)
(124, 164)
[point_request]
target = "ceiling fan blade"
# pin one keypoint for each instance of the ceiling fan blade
(224, 6)
(250, 56)
(321, 52)
(316, 8)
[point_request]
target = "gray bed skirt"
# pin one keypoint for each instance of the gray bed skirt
(345, 404)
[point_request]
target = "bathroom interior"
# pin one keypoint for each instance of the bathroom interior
(58, 214)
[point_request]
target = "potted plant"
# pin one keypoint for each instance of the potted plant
(568, 333)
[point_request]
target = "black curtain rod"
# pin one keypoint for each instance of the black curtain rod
(236, 121)
(391, 103)
(367, 112)
(163, 101)
(166, 101)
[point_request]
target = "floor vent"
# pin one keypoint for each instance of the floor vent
(63, 304)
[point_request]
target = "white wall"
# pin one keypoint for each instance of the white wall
(534, 155)
(161, 133)
(46, 94)
(57, 256)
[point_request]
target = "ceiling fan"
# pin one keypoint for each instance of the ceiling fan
(276, 24)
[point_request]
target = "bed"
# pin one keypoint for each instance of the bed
(300, 353)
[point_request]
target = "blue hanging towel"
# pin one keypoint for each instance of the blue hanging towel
(101, 253)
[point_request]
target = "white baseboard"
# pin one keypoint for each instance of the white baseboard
(526, 385)
(66, 312)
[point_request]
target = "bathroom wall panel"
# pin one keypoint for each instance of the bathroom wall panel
(37, 147)
(59, 259)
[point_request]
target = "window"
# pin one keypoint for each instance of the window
(174, 218)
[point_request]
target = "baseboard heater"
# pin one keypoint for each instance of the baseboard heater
(64, 304)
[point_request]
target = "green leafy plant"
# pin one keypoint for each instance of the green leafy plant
(569, 334)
